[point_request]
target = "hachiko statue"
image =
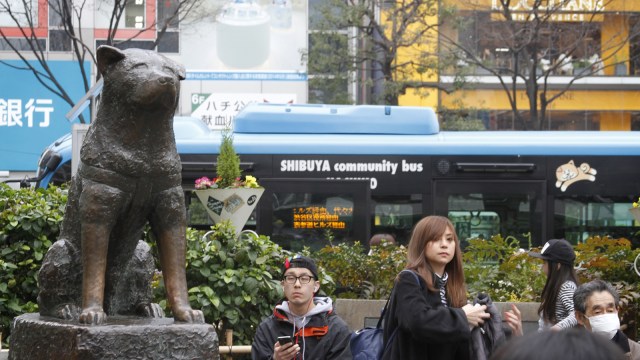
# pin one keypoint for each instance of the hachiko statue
(129, 175)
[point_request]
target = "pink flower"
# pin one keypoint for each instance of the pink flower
(204, 183)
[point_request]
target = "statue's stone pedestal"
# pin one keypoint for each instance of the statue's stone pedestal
(40, 337)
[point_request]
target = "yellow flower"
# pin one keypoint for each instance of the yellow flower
(250, 182)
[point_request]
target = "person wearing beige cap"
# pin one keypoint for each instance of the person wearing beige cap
(556, 304)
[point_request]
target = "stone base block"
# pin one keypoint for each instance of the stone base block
(39, 337)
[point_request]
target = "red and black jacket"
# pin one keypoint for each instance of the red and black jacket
(325, 337)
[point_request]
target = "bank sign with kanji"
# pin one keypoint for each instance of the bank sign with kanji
(31, 116)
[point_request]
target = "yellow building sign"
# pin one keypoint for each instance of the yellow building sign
(555, 17)
(575, 6)
(552, 5)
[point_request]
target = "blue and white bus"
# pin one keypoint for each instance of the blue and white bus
(379, 169)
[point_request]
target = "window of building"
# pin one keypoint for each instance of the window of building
(635, 121)
(578, 120)
(140, 44)
(133, 17)
(59, 40)
(20, 44)
(169, 21)
(169, 42)
(134, 14)
(18, 13)
(492, 39)
(56, 12)
(168, 14)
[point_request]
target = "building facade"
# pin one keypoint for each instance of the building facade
(235, 52)
(582, 56)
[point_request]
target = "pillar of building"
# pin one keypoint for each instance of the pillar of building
(615, 43)
(615, 120)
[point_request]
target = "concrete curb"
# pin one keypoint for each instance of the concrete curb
(359, 313)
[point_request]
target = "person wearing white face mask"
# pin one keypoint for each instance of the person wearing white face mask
(596, 308)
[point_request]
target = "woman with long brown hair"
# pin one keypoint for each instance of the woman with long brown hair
(428, 316)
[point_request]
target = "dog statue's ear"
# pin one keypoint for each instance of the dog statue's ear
(182, 73)
(108, 55)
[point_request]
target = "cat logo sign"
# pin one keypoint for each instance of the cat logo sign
(568, 173)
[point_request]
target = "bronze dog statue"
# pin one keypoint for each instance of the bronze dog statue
(129, 175)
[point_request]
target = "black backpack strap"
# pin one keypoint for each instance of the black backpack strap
(384, 310)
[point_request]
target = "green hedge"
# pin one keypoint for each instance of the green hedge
(230, 279)
(29, 223)
(235, 281)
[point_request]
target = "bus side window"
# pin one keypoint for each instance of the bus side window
(475, 225)
(396, 215)
(579, 217)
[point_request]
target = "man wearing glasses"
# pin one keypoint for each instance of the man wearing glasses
(303, 326)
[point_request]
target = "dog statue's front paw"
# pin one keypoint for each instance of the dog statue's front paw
(188, 315)
(152, 310)
(93, 316)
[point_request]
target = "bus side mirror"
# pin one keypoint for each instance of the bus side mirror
(52, 163)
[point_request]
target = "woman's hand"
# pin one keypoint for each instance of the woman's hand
(476, 314)
(285, 352)
(513, 318)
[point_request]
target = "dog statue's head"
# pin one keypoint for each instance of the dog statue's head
(141, 77)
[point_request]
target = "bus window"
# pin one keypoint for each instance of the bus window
(516, 206)
(303, 219)
(475, 224)
(396, 215)
(488, 214)
(578, 218)
(306, 212)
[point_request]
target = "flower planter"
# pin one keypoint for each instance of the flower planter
(235, 204)
(636, 213)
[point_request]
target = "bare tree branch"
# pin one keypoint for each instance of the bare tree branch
(537, 46)
(70, 17)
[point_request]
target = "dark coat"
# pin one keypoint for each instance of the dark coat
(427, 330)
(630, 348)
(490, 335)
(326, 337)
